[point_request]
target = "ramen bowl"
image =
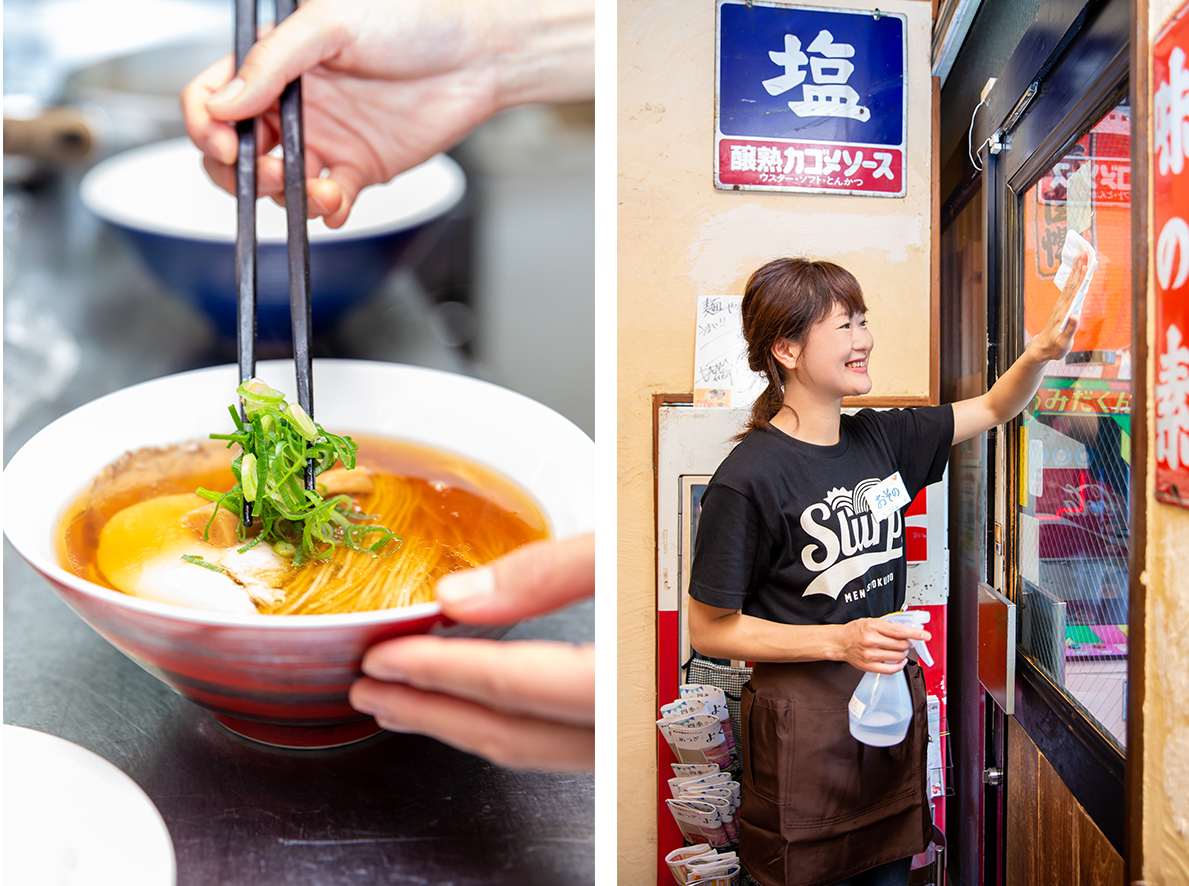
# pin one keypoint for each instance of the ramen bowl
(182, 226)
(283, 679)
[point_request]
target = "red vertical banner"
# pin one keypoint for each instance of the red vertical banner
(1170, 205)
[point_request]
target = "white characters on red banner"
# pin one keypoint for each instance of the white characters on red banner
(1171, 109)
(1172, 402)
(808, 161)
(1172, 254)
(828, 95)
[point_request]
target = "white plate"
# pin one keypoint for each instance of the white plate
(73, 819)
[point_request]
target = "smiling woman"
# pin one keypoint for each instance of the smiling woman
(785, 311)
(795, 565)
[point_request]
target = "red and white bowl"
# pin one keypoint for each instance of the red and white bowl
(283, 680)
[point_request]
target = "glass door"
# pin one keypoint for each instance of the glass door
(1059, 516)
(1073, 453)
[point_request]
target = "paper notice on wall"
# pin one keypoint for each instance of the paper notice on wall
(721, 376)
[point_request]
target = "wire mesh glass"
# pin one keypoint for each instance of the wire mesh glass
(1075, 446)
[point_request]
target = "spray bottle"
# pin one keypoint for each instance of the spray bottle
(881, 708)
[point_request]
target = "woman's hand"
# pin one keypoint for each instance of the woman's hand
(1016, 387)
(874, 644)
(386, 84)
(1055, 341)
(521, 704)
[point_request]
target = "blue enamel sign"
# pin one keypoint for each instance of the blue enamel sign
(810, 99)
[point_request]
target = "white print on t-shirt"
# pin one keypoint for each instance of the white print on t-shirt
(861, 593)
(844, 527)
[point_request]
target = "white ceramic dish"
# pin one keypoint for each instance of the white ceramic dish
(71, 818)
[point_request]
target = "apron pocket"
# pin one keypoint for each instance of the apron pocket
(832, 782)
(767, 742)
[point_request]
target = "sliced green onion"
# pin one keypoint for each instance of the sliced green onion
(276, 442)
(198, 561)
(303, 422)
(255, 541)
(247, 476)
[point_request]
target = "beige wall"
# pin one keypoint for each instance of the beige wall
(1166, 663)
(680, 238)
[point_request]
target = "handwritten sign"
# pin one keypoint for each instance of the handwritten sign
(721, 376)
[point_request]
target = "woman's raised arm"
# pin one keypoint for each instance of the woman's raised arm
(1016, 387)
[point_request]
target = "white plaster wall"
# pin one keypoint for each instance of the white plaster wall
(680, 238)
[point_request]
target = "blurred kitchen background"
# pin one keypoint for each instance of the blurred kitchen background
(501, 287)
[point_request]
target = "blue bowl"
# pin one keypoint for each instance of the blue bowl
(183, 228)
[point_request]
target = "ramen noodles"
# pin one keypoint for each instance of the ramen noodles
(142, 529)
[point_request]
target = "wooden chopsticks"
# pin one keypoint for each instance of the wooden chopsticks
(297, 238)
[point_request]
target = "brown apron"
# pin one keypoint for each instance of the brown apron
(818, 805)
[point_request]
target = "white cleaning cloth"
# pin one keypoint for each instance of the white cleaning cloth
(1075, 245)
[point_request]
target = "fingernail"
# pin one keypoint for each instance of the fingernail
(226, 92)
(461, 587)
(361, 702)
(393, 724)
(387, 672)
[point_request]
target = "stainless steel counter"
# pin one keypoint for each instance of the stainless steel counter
(394, 809)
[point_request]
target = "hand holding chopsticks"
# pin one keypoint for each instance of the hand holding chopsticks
(386, 86)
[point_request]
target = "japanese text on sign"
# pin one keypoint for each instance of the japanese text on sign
(1075, 400)
(828, 95)
(1170, 196)
(810, 99)
(1172, 402)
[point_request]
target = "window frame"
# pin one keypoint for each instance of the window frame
(1081, 78)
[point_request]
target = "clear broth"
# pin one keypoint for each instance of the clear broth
(451, 513)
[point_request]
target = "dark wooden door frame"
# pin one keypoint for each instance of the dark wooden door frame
(1078, 56)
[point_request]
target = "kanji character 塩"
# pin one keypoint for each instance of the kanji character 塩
(791, 60)
(828, 95)
(831, 101)
(835, 59)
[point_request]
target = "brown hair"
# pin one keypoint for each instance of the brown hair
(784, 300)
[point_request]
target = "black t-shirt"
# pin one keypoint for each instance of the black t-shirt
(786, 534)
